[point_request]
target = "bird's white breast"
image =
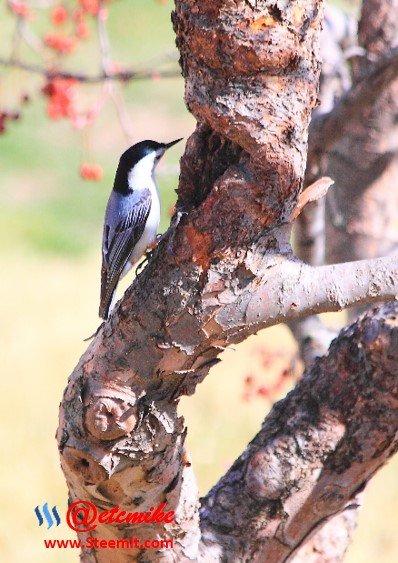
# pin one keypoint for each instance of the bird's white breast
(141, 172)
(141, 178)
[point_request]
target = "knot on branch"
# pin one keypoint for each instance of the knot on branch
(81, 463)
(108, 419)
(265, 478)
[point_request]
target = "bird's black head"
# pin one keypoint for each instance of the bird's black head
(144, 156)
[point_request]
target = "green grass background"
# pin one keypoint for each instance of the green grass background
(50, 235)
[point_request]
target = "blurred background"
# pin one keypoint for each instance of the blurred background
(50, 239)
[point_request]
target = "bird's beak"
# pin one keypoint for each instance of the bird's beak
(168, 145)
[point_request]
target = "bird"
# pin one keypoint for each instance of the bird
(131, 218)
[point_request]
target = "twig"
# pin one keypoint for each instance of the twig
(103, 40)
(17, 37)
(121, 76)
(106, 63)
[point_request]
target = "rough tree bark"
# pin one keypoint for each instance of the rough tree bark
(338, 34)
(316, 450)
(362, 211)
(226, 271)
(360, 121)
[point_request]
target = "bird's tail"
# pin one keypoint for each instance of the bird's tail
(107, 305)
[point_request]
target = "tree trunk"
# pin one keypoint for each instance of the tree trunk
(224, 271)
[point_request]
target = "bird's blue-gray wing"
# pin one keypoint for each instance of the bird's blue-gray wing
(125, 221)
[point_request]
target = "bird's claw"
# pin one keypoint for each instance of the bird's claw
(94, 334)
(159, 238)
(146, 258)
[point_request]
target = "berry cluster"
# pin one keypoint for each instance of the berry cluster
(278, 377)
(70, 22)
(20, 9)
(60, 93)
(71, 25)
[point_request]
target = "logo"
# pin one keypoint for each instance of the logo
(83, 516)
(47, 515)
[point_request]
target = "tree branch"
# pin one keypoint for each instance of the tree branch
(316, 450)
(338, 34)
(121, 76)
(120, 437)
(362, 208)
(361, 211)
(327, 129)
(330, 543)
(305, 290)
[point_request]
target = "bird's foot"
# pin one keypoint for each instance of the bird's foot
(94, 334)
(141, 264)
(146, 257)
(159, 238)
(171, 231)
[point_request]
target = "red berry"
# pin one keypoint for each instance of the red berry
(20, 9)
(60, 92)
(263, 391)
(63, 44)
(90, 6)
(91, 171)
(82, 30)
(59, 15)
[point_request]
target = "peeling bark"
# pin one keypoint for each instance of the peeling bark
(225, 271)
(330, 543)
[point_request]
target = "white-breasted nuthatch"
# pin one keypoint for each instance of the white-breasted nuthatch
(132, 216)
